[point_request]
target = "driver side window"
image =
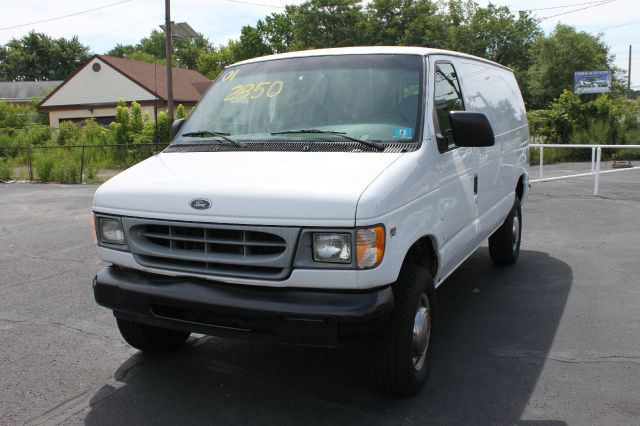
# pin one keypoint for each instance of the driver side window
(447, 97)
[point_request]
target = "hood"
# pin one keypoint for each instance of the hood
(276, 188)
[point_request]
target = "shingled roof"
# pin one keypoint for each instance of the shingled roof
(188, 85)
(12, 91)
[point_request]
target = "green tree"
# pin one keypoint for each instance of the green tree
(277, 30)
(555, 59)
(163, 127)
(122, 50)
(328, 23)
(18, 116)
(120, 131)
(180, 112)
(212, 63)
(495, 33)
(152, 49)
(404, 22)
(68, 133)
(37, 56)
(251, 44)
(136, 121)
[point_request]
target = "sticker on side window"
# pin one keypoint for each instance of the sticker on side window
(402, 133)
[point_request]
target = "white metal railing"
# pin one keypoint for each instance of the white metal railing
(596, 155)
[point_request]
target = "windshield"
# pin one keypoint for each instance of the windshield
(368, 97)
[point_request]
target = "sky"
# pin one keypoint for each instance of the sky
(127, 21)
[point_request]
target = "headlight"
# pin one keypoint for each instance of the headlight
(110, 231)
(334, 248)
(369, 246)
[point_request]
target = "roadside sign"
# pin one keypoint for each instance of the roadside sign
(592, 81)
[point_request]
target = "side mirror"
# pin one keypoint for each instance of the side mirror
(471, 129)
(175, 128)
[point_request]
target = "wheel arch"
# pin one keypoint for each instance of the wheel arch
(423, 252)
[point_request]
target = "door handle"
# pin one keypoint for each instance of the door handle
(475, 184)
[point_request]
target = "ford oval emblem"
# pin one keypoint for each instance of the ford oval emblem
(200, 204)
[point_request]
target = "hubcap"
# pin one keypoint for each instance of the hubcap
(516, 230)
(421, 332)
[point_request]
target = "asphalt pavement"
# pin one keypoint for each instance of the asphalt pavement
(552, 340)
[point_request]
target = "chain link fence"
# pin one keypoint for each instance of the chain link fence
(71, 163)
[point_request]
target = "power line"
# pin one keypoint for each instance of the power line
(256, 4)
(577, 10)
(558, 7)
(111, 31)
(615, 26)
(66, 16)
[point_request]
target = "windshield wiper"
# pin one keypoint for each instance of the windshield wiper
(371, 144)
(209, 134)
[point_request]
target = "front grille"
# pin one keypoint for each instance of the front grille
(211, 240)
(211, 249)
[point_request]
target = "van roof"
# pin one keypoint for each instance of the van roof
(368, 50)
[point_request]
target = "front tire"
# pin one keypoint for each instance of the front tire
(151, 339)
(402, 355)
(504, 244)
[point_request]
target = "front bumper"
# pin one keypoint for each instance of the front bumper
(291, 316)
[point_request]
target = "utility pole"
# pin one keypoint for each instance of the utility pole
(167, 26)
(629, 74)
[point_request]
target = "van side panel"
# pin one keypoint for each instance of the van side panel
(494, 91)
(418, 195)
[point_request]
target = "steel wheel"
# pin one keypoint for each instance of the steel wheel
(401, 354)
(421, 333)
(504, 244)
(516, 230)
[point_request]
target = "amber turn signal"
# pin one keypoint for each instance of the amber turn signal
(93, 228)
(370, 246)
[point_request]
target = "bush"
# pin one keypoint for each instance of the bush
(67, 171)
(57, 165)
(180, 112)
(551, 155)
(18, 116)
(5, 169)
(68, 133)
(131, 129)
(93, 133)
(630, 154)
(597, 132)
(163, 127)
(573, 120)
(632, 136)
(43, 167)
(90, 175)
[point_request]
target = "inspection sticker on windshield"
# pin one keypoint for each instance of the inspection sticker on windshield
(402, 133)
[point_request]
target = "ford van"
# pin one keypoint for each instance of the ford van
(316, 198)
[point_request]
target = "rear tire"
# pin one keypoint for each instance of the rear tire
(151, 339)
(402, 354)
(504, 244)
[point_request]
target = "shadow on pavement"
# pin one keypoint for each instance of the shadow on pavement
(496, 327)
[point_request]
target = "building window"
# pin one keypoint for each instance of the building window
(103, 121)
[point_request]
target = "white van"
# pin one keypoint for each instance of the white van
(318, 197)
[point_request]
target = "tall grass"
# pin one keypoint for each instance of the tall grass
(53, 152)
